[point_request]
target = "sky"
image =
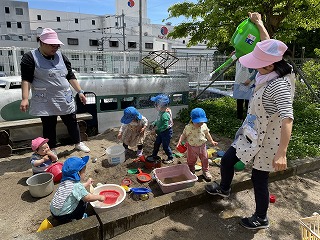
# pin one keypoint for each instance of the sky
(157, 9)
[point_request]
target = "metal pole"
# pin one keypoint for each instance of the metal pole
(214, 79)
(140, 36)
(123, 32)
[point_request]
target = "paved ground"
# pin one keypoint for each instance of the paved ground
(297, 197)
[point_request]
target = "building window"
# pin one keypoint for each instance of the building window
(132, 45)
(58, 19)
(19, 11)
(7, 9)
(1, 68)
(21, 52)
(8, 24)
(148, 45)
(19, 25)
(184, 41)
(93, 42)
(73, 41)
(11, 68)
(76, 20)
(163, 47)
(38, 17)
(93, 22)
(113, 43)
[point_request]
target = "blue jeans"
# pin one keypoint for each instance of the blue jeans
(164, 139)
(259, 180)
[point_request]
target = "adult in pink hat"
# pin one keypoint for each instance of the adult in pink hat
(48, 73)
(264, 135)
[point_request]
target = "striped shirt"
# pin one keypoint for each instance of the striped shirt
(277, 98)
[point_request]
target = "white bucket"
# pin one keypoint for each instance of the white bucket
(116, 154)
(40, 184)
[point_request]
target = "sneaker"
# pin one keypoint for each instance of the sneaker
(207, 176)
(215, 189)
(254, 222)
(82, 147)
(168, 161)
(139, 152)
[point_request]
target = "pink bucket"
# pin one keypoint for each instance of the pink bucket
(56, 170)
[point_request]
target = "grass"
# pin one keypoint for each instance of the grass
(305, 139)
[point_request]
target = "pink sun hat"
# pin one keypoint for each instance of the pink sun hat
(49, 36)
(265, 53)
(37, 142)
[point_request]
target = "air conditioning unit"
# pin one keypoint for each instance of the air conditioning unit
(145, 33)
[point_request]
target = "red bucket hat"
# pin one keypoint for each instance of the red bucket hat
(265, 53)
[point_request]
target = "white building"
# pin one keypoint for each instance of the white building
(119, 32)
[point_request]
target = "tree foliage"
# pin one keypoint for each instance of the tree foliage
(215, 21)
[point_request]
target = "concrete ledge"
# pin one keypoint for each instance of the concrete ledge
(84, 229)
(116, 221)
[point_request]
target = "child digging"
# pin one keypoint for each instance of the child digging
(70, 200)
(197, 133)
(132, 130)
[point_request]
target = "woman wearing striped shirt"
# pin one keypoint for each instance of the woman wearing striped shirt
(265, 134)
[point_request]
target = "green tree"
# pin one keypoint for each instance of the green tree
(215, 21)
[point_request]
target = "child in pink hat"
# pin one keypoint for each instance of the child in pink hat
(264, 135)
(42, 157)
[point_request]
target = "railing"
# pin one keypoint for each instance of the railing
(198, 65)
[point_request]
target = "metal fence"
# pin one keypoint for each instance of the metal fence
(197, 65)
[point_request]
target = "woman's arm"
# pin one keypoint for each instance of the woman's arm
(280, 159)
(75, 84)
(255, 17)
(25, 87)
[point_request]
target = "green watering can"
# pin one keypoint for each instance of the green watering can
(244, 40)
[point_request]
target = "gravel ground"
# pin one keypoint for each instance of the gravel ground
(296, 197)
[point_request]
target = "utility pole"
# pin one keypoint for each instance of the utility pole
(123, 32)
(140, 36)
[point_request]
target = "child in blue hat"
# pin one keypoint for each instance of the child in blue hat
(163, 127)
(132, 130)
(196, 133)
(70, 200)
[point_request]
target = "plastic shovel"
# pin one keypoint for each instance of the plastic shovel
(143, 177)
(140, 190)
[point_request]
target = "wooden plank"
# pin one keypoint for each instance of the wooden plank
(35, 122)
(5, 151)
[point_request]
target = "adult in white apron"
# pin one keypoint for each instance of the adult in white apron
(47, 72)
(265, 134)
(243, 88)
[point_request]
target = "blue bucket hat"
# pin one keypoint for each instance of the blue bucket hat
(161, 99)
(198, 115)
(129, 114)
(72, 167)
